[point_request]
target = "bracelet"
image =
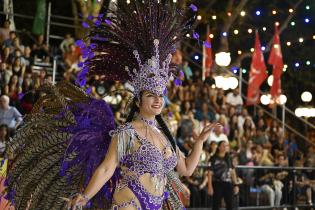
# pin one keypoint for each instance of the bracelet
(84, 196)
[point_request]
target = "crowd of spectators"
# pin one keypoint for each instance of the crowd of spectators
(250, 138)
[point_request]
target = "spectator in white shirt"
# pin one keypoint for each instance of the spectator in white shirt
(234, 98)
(9, 115)
(217, 135)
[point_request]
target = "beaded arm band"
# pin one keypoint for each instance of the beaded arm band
(84, 197)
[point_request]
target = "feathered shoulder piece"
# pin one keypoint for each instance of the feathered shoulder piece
(121, 128)
(58, 148)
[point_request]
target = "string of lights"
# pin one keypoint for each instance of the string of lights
(287, 43)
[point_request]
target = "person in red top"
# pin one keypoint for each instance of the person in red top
(72, 56)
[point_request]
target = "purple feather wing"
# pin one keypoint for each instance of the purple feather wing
(88, 146)
(58, 148)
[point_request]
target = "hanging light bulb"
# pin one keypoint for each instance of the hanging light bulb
(265, 99)
(306, 96)
(223, 58)
(283, 99)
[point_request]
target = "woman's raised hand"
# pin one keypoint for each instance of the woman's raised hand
(204, 134)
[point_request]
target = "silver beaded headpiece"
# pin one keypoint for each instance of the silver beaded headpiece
(151, 76)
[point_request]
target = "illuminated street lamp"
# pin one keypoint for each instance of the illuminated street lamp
(306, 96)
(226, 82)
(223, 58)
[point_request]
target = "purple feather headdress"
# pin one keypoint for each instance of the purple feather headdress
(140, 37)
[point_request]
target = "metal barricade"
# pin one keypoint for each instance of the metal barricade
(254, 195)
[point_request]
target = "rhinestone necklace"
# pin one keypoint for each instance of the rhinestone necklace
(151, 123)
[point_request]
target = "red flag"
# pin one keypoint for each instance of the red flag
(275, 59)
(207, 60)
(257, 74)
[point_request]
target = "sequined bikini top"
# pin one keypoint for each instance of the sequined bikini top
(148, 158)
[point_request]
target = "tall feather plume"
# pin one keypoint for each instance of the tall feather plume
(133, 26)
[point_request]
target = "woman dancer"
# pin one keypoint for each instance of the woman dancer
(143, 150)
(65, 146)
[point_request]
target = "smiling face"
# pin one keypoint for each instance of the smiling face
(151, 104)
